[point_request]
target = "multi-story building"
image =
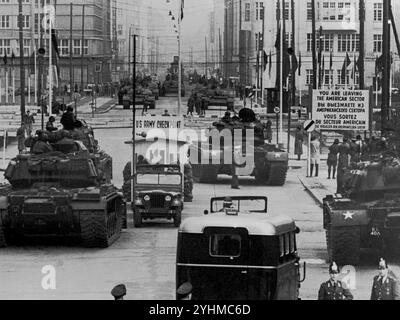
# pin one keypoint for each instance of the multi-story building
(91, 33)
(339, 20)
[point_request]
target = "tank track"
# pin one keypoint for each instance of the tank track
(96, 231)
(277, 175)
(343, 245)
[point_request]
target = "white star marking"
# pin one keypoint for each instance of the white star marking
(348, 215)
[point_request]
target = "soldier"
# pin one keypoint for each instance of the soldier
(385, 286)
(41, 146)
(191, 104)
(185, 291)
(226, 118)
(334, 289)
(21, 138)
(188, 182)
(119, 292)
(50, 125)
(68, 119)
(29, 120)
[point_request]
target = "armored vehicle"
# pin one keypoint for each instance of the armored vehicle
(236, 251)
(270, 164)
(171, 85)
(158, 193)
(366, 215)
(64, 193)
(219, 98)
(144, 97)
(153, 86)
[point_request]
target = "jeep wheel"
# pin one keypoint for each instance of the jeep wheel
(178, 218)
(137, 219)
(344, 245)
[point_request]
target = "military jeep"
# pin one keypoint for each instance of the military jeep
(158, 193)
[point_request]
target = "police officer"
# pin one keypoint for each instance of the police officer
(334, 289)
(119, 292)
(185, 291)
(385, 286)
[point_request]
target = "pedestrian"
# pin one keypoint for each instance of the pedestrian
(385, 286)
(334, 289)
(268, 131)
(204, 106)
(333, 159)
(315, 150)
(241, 88)
(50, 127)
(185, 291)
(29, 120)
(191, 104)
(119, 292)
(21, 137)
(198, 104)
(343, 164)
(298, 142)
(235, 178)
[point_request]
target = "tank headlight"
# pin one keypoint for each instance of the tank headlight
(168, 198)
(147, 198)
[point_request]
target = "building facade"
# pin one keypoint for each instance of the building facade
(91, 37)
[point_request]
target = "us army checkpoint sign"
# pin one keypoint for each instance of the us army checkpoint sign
(341, 110)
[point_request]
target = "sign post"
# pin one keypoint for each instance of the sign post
(341, 110)
(309, 127)
(277, 111)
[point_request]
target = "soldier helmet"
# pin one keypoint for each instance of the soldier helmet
(119, 291)
(333, 268)
(70, 109)
(383, 264)
(185, 289)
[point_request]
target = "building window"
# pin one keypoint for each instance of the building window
(341, 81)
(378, 43)
(309, 11)
(327, 42)
(259, 10)
(25, 21)
(4, 22)
(77, 47)
(247, 12)
(348, 42)
(64, 47)
(5, 47)
(378, 12)
(309, 77)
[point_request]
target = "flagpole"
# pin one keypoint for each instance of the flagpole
(180, 61)
(300, 82)
(50, 106)
(29, 89)
(281, 80)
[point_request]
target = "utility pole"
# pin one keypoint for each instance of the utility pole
(314, 45)
(361, 66)
(71, 79)
(205, 46)
(82, 40)
(293, 76)
(320, 66)
(21, 58)
(262, 57)
(386, 66)
(129, 50)
(133, 165)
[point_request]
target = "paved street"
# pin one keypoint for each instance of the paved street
(144, 259)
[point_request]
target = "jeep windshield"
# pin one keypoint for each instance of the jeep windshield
(159, 179)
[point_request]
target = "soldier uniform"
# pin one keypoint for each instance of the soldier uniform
(384, 286)
(334, 289)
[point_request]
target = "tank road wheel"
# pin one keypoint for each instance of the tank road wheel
(137, 219)
(344, 245)
(98, 231)
(3, 242)
(277, 175)
(178, 218)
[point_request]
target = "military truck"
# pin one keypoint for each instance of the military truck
(270, 163)
(66, 193)
(366, 215)
(158, 193)
(219, 98)
(237, 251)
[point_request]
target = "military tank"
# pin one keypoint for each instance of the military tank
(366, 215)
(270, 163)
(219, 98)
(171, 85)
(65, 193)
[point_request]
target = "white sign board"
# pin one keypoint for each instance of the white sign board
(341, 110)
(157, 123)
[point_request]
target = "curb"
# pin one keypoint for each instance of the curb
(310, 192)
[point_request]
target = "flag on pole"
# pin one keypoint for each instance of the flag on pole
(323, 69)
(300, 64)
(359, 63)
(12, 59)
(265, 60)
(346, 64)
(182, 7)
(270, 64)
(55, 57)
